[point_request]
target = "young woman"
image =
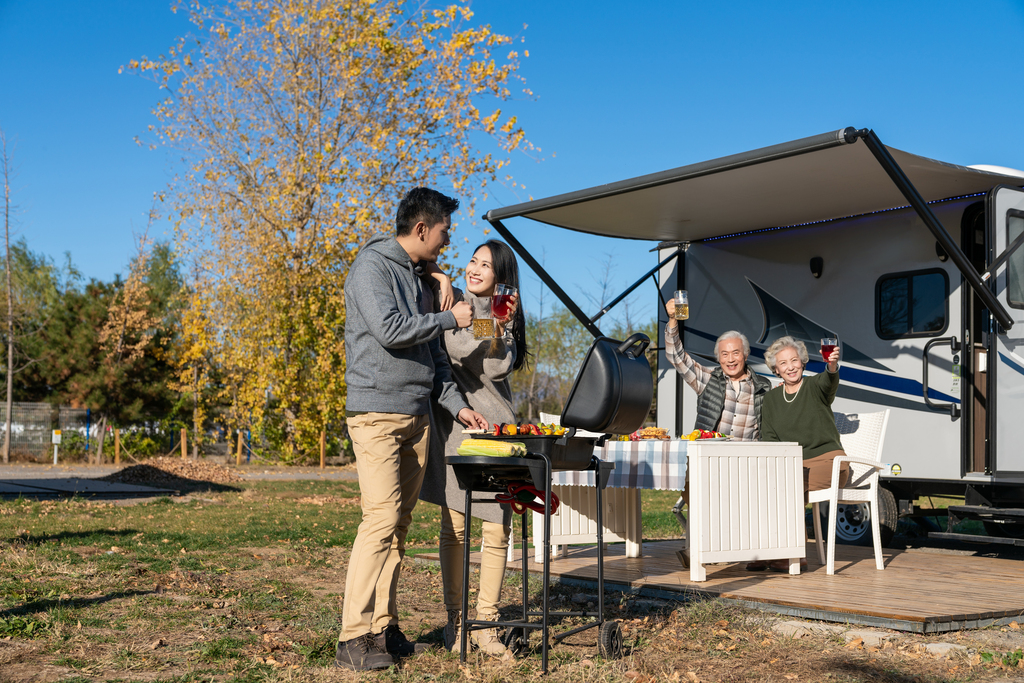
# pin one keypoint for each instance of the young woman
(481, 369)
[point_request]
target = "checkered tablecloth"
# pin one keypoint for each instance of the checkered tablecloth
(654, 464)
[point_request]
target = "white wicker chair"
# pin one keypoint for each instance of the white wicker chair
(862, 436)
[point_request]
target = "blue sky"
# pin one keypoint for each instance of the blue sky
(621, 89)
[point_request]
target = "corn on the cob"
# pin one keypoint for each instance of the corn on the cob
(491, 447)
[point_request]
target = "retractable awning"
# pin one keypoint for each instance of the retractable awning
(804, 181)
(814, 179)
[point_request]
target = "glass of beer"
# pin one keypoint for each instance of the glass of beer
(828, 345)
(682, 300)
(483, 323)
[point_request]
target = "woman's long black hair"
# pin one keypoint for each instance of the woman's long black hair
(506, 271)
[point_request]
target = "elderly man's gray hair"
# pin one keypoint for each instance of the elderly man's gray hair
(733, 334)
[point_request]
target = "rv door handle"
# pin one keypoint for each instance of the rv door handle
(952, 408)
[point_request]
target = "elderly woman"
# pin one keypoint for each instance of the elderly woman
(800, 409)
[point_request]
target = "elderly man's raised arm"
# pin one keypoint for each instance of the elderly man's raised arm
(694, 374)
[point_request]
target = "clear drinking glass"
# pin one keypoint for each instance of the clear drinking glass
(828, 345)
(682, 300)
(501, 300)
(483, 323)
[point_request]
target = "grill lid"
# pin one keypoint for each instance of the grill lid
(614, 388)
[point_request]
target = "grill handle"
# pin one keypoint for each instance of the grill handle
(639, 340)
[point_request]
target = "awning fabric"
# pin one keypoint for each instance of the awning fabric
(804, 181)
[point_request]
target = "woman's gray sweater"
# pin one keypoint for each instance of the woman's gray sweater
(480, 369)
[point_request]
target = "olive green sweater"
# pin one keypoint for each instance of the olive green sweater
(808, 420)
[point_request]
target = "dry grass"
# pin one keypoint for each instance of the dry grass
(247, 586)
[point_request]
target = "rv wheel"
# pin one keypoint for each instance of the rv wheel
(853, 522)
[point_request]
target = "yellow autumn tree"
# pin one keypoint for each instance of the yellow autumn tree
(302, 123)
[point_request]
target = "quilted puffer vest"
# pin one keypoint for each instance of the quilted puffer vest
(711, 401)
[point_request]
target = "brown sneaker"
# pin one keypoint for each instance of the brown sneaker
(453, 632)
(394, 642)
(487, 641)
(362, 654)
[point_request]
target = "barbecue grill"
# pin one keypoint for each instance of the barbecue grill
(612, 394)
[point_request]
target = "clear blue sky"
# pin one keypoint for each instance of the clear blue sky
(622, 89)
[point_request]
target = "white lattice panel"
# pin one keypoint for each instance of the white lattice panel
(576, 519)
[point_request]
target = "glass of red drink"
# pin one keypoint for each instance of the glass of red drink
(501, 301)
(828, 345)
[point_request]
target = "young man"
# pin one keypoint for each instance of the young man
(394, 362)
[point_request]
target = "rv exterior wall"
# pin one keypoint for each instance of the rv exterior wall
(721, 276)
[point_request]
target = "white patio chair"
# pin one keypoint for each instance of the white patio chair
(862, 436)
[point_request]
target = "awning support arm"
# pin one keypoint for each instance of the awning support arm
(545, 277)
(636, 284)
(932, 222)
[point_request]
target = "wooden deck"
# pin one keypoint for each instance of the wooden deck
(918, 591)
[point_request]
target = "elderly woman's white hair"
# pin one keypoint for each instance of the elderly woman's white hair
(785, 343)
(733, 334)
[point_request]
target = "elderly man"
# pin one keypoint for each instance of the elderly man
(729, 397)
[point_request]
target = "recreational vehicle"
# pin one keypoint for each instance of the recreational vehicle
(914, 264)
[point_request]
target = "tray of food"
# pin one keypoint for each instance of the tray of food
(565, 453)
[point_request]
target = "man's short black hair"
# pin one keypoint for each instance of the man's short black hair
(423, 204)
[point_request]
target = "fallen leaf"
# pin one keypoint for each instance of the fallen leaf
(632, 675)
(157, 643)
(792, 677)
(692, 677)
(1014, 625)
(855, 643)
(721, 624)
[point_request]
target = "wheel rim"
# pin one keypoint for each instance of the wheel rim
(852, 522)
(617, 642)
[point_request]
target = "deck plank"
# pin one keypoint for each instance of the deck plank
(917, 590)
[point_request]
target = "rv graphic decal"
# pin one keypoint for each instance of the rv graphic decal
(780, 320)
(1016, 363)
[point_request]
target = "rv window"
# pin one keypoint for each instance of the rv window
(1015, 264)
(911, 304)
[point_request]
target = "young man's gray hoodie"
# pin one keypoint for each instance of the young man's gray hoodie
(393, 354)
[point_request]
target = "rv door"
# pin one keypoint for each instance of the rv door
(1005, 209)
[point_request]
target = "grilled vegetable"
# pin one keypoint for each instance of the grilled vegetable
(491, 448)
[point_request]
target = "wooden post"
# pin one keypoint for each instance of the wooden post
(184, 448)
(323, 447)
(238, 455)
(117, 446)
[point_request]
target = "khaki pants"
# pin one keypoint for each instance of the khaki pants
(818, 472)
(391, 451)
(492, 565)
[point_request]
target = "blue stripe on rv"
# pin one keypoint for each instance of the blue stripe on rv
(1011, 363)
